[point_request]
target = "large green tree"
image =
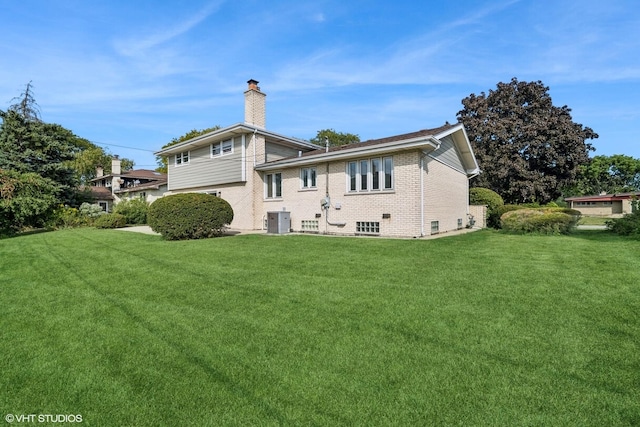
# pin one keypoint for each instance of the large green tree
(162, 161)
(32, 146)
(334, 138)
(527, 148)
(26, 200)
(607, 174)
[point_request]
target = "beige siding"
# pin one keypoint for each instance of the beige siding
(203, 170)
(276, 152)
(448, 154)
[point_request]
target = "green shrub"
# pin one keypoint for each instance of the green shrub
(91, 210)
(493, 201)
(189, 216)
(110, 220)
(540, 221)
(628, 225)
(134, 210)
(67, 217)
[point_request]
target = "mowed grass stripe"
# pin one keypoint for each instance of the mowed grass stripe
(479, 329)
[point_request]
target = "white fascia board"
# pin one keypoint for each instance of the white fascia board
(231, 131)
(429, 143)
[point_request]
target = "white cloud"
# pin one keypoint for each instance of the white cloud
(138, 44)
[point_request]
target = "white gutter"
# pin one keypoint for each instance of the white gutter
(233, 130)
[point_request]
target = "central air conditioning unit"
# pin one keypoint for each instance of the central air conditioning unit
(278, 222)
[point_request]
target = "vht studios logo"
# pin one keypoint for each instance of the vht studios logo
(43, 418)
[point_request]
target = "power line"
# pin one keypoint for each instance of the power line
(122, 146)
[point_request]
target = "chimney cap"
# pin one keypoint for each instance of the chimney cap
(253, 84)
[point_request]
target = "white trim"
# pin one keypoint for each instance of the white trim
(243, 141)
(230, 132)
(182, 162)
(377, 150)
(221, 145)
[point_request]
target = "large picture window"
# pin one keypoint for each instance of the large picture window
(370, 174)
(273, 185)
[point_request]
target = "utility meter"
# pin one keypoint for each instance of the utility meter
(325, 202)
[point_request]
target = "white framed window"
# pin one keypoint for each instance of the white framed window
(104, 206)
(182, 158)
(273, 185)
(308, 177)
(370, 174)
(368, 227)
(222, 148)
(435, 227)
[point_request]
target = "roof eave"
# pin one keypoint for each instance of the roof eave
(429, 143)
(230, 131)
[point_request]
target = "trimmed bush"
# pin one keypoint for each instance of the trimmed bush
(628, 225)
(134, 210)
(540, 221)
(91, 210)
(493, 201)
(110, 220)
(189, 216)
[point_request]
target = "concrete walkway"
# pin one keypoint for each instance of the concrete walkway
(145, 229)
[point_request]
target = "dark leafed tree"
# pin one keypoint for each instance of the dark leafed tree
(334, 138)
(162, 161)
(527, 148)
(26, 105)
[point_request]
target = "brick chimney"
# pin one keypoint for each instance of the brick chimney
(255, 105)
(115, 165)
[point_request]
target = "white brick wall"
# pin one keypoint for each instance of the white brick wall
(445, 193)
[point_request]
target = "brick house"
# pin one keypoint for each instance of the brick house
(408, 185)
(604, 205)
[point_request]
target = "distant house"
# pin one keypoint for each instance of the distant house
(108, 190)
(605, 205)
(408, 185)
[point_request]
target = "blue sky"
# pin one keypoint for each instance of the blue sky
(138, 73)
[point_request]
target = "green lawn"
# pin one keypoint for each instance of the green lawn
(479, 329)
(593, 220)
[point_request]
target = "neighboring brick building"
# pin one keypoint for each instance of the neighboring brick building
(408, 185)
(605, 205)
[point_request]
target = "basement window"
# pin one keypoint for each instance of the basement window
(368, 227)
(435, 227)
(309, 225)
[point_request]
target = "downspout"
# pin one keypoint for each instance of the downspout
(254, 147)
(422, 195)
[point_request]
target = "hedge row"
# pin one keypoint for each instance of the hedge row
(548, 220)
